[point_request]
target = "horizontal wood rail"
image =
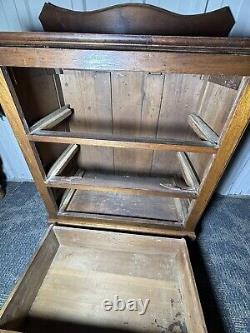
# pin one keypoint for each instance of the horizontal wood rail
(188, 171)
(53, 119)
(145, 226)
(124, 142)
(202, 129)
(222, 45)
(125, 184)
(110, 60)
(63, 160)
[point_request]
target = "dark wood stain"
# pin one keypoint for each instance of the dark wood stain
(137, 19)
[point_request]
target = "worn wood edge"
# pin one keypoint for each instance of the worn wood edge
(101, 60)
(123, 227)
(66, 198)
(68, 194)
(75, 236)
(187, 281)
(127, 42)
(20, 300)
(109, 218)
(181, 209)
(126, 143)
(52, 119)
(201, 128)
(13, 111)
(236, 124)
(62, 161)
(188, 171)
(77, 183)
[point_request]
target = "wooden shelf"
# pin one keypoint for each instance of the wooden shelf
(123, 207)
(61, 163)
(53, 119)
(201, 128)
(122, 142)
(124, 184)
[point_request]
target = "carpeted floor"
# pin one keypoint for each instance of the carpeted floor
(220, 255)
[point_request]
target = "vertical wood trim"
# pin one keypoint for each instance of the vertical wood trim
(238, 121)
(12, 110)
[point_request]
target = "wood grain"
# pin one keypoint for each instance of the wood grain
(11, 108)
(93, 258)
(124, 184)
(137, 19)
(137, 61)
(135, 227)
(61, 163)
(211, 45)
(126, 107)
(51, 120)
(236, 124)
(122, 142)
(89, 93)
(215, 105)
(188, 171)
(181, 94)
(125, 205)
(202, 129)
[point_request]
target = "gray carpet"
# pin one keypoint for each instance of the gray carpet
(220, 255)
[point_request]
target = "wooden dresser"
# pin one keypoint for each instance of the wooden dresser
(126, 138)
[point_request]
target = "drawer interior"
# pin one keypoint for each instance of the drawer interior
(146, 283)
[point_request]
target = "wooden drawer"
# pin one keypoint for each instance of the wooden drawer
(75, 271)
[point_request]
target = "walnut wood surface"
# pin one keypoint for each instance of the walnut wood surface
(137, 19)
(108, 60)
(217, 45)
(87, 269)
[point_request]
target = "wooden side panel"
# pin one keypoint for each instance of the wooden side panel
(215, 106)
(17, 306)
(89, 94)
(12, 109)
(236, 124)
(38, 92)
(181, 95)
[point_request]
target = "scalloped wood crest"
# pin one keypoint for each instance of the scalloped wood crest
(138, 19)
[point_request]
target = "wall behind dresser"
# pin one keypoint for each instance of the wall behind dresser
(22, 15)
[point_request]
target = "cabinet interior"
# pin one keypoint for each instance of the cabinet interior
(130, 146)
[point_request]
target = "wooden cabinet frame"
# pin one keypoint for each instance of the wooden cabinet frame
(154, 54)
